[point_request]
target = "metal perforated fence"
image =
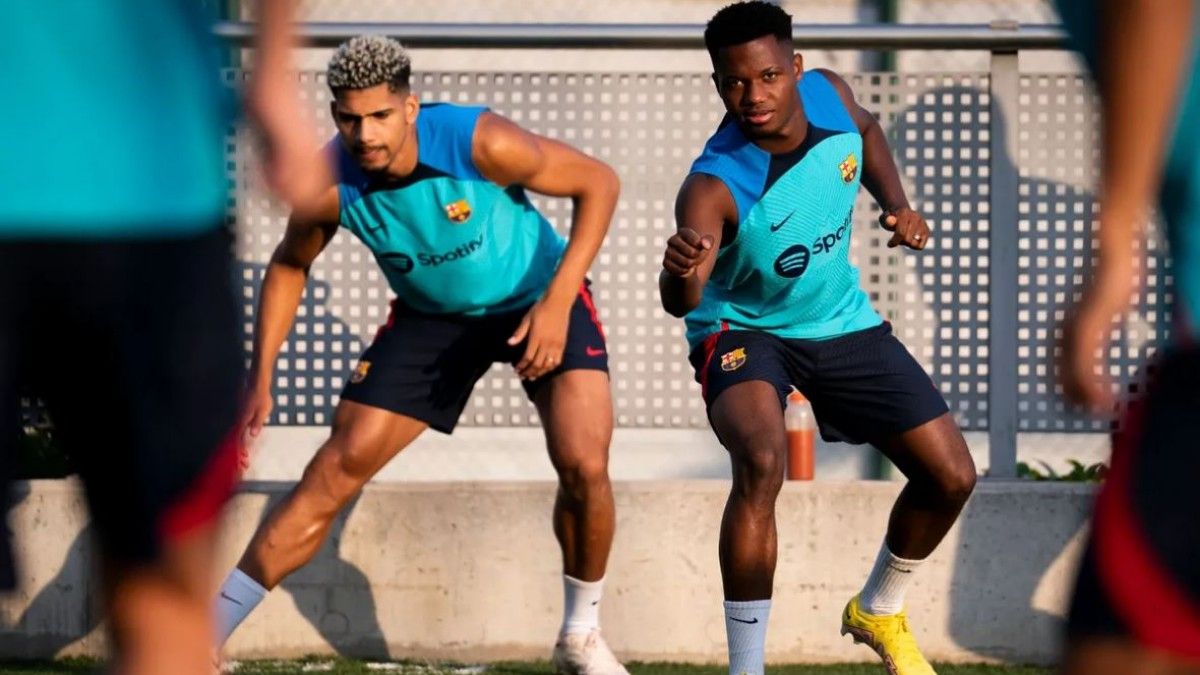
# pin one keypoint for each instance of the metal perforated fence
(649, 127)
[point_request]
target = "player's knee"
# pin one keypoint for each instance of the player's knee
(758, 465)
(582, 474)
(958, 482)
(337, 473)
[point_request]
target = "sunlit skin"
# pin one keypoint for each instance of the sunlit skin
(756, 81)
(377, 126)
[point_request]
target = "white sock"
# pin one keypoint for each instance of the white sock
(581, 605)
(238, 597)
(746, 632)
(885, 588)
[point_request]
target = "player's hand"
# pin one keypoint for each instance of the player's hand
(1085, 338)
(908, 228)
(686, 249)
(294, 168)
(544, 330)
(258, 409)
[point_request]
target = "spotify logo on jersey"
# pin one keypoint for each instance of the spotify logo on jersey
(403, 262)
(793, 261)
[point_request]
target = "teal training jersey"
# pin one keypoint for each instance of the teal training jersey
(114, 121)
(448, 240)
(787, 271)
(1179, 197)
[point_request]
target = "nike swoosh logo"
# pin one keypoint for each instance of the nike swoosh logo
(754, 620)
(776, 226)
(595, 602)
(593, 351)
(226, 596)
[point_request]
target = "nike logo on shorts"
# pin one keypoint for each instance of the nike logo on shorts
(594, 351)
(226, 596)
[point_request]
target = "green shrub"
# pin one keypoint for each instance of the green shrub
(1080, 473)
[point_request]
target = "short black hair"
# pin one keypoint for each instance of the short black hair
(745, 21)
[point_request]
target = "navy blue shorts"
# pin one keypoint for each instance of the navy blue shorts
(1140, 575)
(864, 386)
(425, 366)
(134, 348)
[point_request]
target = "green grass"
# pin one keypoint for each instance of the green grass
(348, 667)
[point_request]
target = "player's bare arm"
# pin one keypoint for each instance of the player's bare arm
(1138, 99)
(880, 176)
(282, 288)
(291, 169)
(506, 154)
(702, 210)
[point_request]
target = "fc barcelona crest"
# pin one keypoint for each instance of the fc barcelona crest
(849, 168)
(733, 360)
(360, 372)
(459, 211)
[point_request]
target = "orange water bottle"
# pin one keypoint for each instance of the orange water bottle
(801, 426)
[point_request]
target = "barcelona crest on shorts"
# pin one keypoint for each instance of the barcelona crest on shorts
(360, 372)
(733, 360)
(849, 167)
(458, 211)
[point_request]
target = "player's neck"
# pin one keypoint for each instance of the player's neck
(790, 137)
(405, 162)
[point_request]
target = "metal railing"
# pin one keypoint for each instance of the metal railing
(996, 36)
(1003, 39)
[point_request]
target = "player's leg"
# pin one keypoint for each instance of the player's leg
(744, 377)
(941, 476)
(872, 390)
(576, 412)
(363, 440)
(1137, 599)
(158, 614)
(403, 384)
(574, 403)
(744, 418)
(747, 417)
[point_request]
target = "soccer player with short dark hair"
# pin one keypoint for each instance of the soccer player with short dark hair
(760, 269)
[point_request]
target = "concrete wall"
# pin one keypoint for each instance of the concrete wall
(519, 454)
(470, 571)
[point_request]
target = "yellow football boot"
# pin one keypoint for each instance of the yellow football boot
(888, 636)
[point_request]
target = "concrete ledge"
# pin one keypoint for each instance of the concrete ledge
(519, 454)
(471, 571)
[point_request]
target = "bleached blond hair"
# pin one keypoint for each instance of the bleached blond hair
(369, 61)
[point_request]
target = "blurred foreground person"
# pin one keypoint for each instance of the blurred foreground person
(1137, 602)
(116, 305)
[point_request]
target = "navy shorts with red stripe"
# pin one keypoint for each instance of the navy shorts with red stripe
(425, 366)
(134, 346)
(864, 386)
(1140, 576)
